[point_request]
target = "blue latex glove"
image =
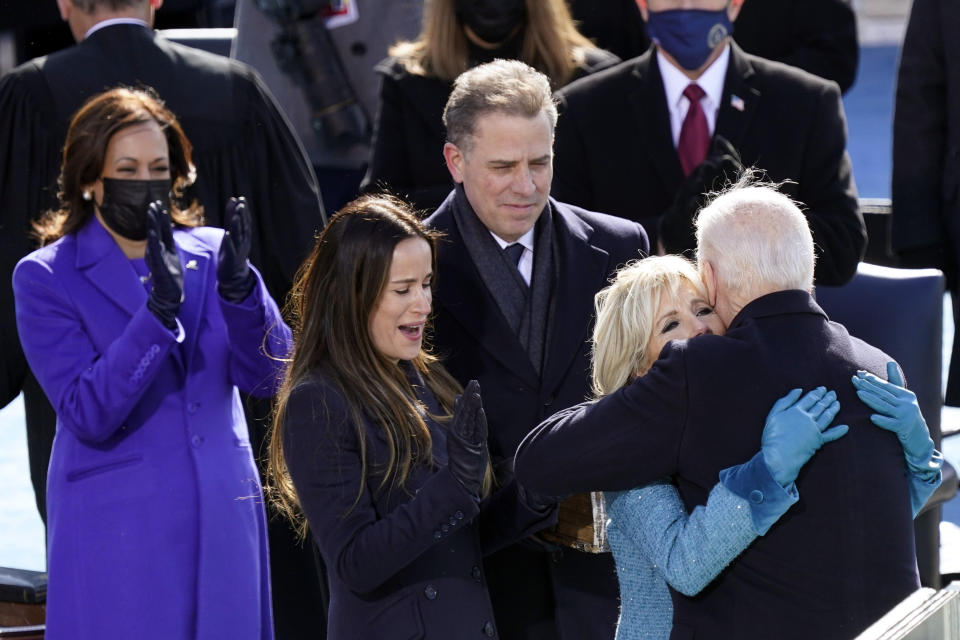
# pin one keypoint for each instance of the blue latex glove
(796, 429)
(897, 411)
(235, 281)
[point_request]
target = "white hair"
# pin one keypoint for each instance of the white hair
(757, 240)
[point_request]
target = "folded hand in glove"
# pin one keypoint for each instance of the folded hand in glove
(467, 454)
(722, 165)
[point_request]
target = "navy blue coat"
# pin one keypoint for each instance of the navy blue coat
(477, 342)
(841, 557)
(401, 563)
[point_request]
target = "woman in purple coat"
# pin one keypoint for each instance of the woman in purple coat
(140, 333)
(370, 444)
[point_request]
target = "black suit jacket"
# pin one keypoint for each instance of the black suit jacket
(819, 36)
(841, 557)
(477, 342)
(615, 153)
(926, 151)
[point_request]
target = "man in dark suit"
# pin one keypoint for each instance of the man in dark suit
(516, 276)
(242, 145)
(926, 153)
(633, 143)
(824, 570)
(819, 36)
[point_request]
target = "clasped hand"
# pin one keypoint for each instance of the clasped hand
(796, 429)
(721, 165)
(467, 454)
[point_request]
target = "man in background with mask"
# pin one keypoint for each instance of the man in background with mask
(645, 140)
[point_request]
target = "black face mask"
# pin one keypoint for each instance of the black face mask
(492, 20)
(124, 206)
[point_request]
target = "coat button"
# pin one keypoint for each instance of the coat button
(445, 528)
(489, 630)
(430, 592)
(452, 521)
(475, 572)
(437, 535)
(193, 407)
(756, 496)
(196, 441)
(548, 400)
(458, 515)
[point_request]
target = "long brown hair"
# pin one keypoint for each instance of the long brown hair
(329, 307)
(551, 43)
(85, 150)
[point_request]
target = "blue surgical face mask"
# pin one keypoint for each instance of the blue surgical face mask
(689, 35)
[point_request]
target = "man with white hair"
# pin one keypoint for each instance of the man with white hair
(824, 570)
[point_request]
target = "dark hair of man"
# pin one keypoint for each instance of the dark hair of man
(85, 150)
(329, 309)
(89, 6)
(509, 87)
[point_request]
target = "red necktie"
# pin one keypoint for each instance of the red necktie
(694, 133)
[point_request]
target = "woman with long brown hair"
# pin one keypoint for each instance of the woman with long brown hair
(141, 332)
(407, 154)
(374, 447)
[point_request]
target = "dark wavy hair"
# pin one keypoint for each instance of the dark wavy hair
(333, 297)
(85, 150)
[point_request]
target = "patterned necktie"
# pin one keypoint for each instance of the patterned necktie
(694, 133)
(513, 253)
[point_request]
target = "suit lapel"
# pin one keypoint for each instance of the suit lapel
(195, 263)
(101, 260)
(582, 269)
(464, 296)
(740, 98)
(649, 102)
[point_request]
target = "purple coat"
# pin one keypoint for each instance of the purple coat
(156, 525)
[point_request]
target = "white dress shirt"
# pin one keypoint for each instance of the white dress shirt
(711, 81)
(525, 266)
(113, 21)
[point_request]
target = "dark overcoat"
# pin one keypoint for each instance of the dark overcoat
(402, 562)
(841, 557)
(579, 590)
(615, 153)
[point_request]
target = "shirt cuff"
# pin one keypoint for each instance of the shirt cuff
(767, 498)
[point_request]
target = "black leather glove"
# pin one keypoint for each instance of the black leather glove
(536, 501)
(467, 440)
(235, 281)
(721, 165)
(166, 272)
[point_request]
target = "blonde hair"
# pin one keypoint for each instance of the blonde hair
(626, 311)
(551, 43)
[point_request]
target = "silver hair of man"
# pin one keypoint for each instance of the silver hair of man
(757, 239)
(509, 87)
